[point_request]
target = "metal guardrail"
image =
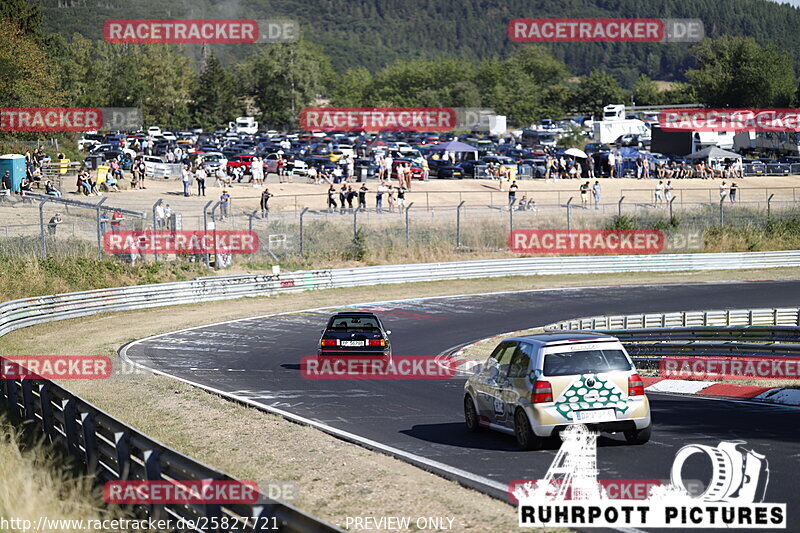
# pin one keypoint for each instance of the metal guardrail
(718, 333)
(112, 450)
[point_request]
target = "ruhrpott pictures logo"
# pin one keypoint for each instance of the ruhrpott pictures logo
(733, 498)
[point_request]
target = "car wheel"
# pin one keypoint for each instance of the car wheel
(639, 436)
(526, 438)
(471, 415)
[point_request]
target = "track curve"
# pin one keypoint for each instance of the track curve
(257, 360)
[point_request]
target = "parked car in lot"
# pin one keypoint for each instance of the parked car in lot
(535, 386)
(538, 166)
(355, 334)
(630, 139)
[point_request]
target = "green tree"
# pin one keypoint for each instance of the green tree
(737, 72)
(353, 88)
(282, 79)
(214, 98)
(646, 92)
(596, 91)
(25, 15)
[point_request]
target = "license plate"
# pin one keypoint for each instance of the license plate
(595, 415)
(351, 343)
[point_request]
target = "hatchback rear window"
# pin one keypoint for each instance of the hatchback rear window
(585, 362)
(350, 323)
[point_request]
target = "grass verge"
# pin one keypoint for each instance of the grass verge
(335, 479)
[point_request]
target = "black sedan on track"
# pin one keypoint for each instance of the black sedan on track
(355, 334)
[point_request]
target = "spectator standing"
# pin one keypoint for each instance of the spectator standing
(639, 167)
(362, 196)
(342, 198)
(618, 159)
(590, 167)
(512, 194)
(265, 196)
(401, 198)
(584, 190)
(185, 176)
(596, 191)
(723, 190)
(379, 197)
(660, 194)
(350, 196)
(391, 198)
(732, 193)
(612, 165)
(116, 220)
(200, 178)
(668, 191)
(331, 198)
(224, 202)
(161, 215)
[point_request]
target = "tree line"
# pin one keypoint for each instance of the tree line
(276, 81)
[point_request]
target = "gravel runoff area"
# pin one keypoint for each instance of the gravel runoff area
(336, 479)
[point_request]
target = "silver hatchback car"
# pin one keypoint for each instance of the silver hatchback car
(535, 386)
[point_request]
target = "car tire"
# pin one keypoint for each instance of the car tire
(526, 438)
(471, 415)
(639, 436)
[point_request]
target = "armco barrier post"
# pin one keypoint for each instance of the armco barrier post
(408, 230)
(722, 211)
(569, 213)
(619, 206)
(458, 224)
(100, 228)
(41, 227)
(302, 213)
(670, 208)
(769, 206)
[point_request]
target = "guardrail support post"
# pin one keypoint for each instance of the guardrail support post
(408, 227)
(152, 468)
(89, 441)
(671, 216)
(28, 412)
(70, 425)
(569, 213)
(100, 228)
(41, 227)
(205, 226)
(302, 213)
(769, 205)
(619, 206)
(123, 449)
(722, 212)
(458, 224)
(47, 411)
(510, 218)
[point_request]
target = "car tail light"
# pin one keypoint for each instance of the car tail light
(376, 342)
(329, 342)
(542, 392)
(635, 385)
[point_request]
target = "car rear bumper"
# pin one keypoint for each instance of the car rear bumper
(621, 425)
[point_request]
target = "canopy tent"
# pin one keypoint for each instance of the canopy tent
(453, 147)
(712, 153)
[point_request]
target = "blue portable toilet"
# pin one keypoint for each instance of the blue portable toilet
(15, 163)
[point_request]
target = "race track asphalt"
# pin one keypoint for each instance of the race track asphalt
(258, 359)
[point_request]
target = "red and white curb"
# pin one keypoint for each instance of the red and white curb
(725, 390)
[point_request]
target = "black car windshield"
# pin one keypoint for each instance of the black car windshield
(585, 362)
(353, 323)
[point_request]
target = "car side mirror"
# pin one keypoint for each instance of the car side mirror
(322, 332)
